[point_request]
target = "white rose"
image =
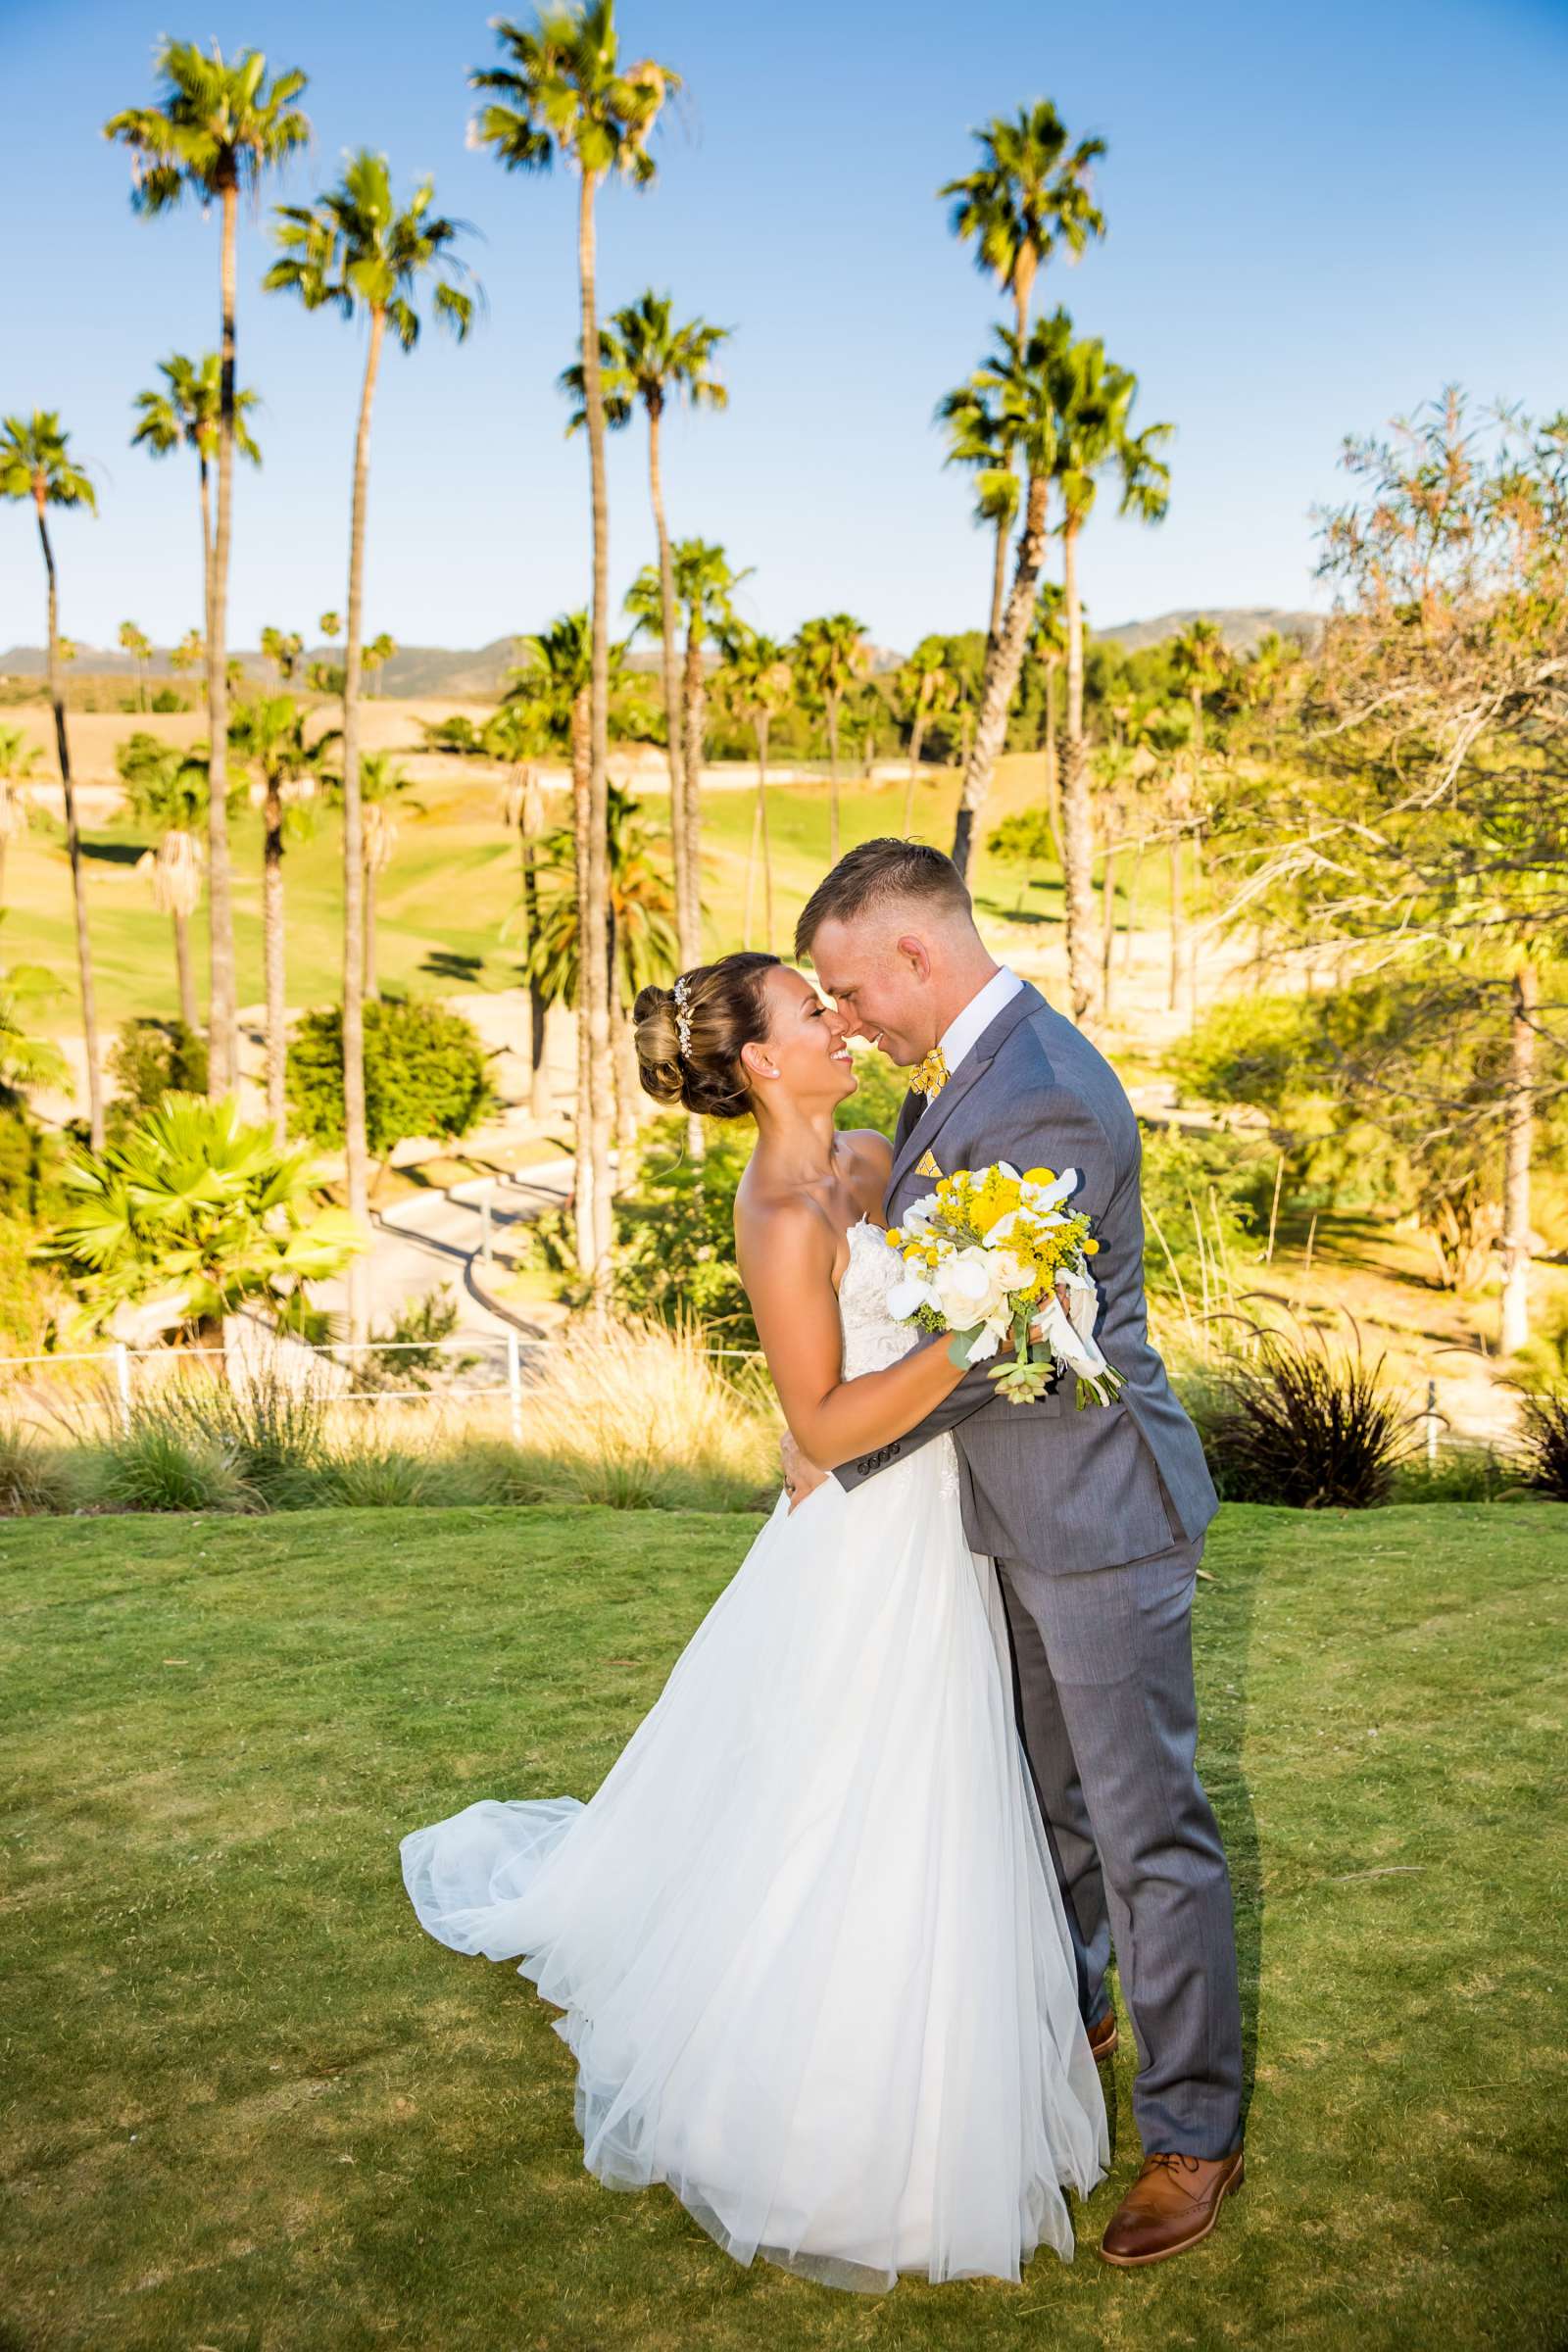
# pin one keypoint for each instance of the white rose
(966, 1288)
(1011, 1273)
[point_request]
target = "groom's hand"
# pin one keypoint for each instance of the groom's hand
(799, 1475)
(1063, 1296)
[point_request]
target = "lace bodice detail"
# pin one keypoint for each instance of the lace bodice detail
(872, 1337)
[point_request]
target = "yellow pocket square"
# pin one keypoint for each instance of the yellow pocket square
(926, 1165)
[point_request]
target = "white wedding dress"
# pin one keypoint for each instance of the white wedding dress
(807, 1934)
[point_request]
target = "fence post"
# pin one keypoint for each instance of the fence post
(123, 1383)
(1431, 1417)
(515, 1386)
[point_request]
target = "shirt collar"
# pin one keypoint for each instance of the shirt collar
(965, 1032)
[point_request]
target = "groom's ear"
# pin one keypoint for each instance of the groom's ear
(916, 955)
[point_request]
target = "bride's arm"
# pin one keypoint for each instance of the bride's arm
(786, 1262)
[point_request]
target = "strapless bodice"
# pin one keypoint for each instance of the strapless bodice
(871, 1337)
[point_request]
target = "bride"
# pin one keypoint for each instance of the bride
(807, 1934)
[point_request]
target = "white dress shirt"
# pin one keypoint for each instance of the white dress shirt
(965, 1031)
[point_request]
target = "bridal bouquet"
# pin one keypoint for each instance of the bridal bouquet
(990, 1250)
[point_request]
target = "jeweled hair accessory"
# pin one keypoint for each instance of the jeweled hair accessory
(683, 1019)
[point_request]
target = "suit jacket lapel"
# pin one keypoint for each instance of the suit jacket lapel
(918, 1138)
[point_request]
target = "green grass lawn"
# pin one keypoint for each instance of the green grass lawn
(252, 2107)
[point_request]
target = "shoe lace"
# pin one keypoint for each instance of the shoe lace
(1172, 2162)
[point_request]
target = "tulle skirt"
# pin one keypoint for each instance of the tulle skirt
(807, 1937)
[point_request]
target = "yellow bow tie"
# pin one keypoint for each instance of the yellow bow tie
(932, 1075)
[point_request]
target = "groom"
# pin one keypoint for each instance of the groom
(1094, 1519)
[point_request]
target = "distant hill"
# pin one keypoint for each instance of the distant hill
(427, 670)
(1241, 626)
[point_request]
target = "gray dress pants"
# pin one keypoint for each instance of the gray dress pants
(1103, 1666)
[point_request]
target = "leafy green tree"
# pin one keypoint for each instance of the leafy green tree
(566, 95)
(217, 128)
(27, 1060)
(355, 250)
(830, 656)
(196, 1213)
(377, 654)
(426, 1074)
(149, 1060)
(166, 789)
(35, 464)
(285, 649)
(19, 761)
(269, 737)
(647, 360)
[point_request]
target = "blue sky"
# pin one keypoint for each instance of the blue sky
(1317, 216)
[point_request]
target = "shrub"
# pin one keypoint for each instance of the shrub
(270, 1422)
(1461, 1474)
(373, 1473)
(1204, 1195)
(33, 1477)
(150, 1058)
(1296, 1424)
(1543, 1441)
(31, 1167)
(408, 1353)
(166, 699)
(156, 1465)
(426, 1074)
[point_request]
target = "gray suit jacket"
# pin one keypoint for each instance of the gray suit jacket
(1045, 1483)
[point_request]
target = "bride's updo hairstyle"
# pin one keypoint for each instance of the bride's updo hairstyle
(689, 1037)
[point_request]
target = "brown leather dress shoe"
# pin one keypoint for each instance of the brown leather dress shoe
(1173, 2204)
(1103, 2039)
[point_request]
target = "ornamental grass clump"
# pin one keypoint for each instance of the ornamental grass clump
(1300, 1424)
(1543, 1441)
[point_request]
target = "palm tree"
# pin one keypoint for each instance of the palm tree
(18, 760)
(284, 649)
(644, 947)
(382, 782)
(553, 693)
(704, 585)
(139, 645)
(35, 462)
(268, 736)
(218, 125)
(377, 654)
(188, 414)
(166, 790)
(27, 1060)
(1092, 402)
(564, 93)
(515, 734)
(644, 357)
(1017, 382)
(982, 434)
(353, 250)
(831, 656)
(1026, 197)
(190, 653)
(924, 685)
(759, 686)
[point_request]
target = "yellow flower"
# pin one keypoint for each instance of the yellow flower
(1040, 1176)
(1090, 1249)
(894, 1236)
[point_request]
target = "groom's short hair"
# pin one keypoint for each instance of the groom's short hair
(877, 872)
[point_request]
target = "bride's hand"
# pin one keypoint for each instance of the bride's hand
(801, 1476)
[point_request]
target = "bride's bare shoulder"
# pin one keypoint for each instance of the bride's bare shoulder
(787, 1223)
(872, 1155)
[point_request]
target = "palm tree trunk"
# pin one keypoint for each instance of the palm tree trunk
(998, 579)
(1108, 924)
(183, 972)
(1519, 1138)
(222, 1049)
(1077, 814)
(79, 883)
(582, 1182)
(1176, 929)
(694, 721)
(833, 779)
(595, 911)
(916, 738)
(688, 926)
(539, 1104)
(762, 732)
(372, 989)
(1004, 662)
(272, 958)
(355, 1140)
